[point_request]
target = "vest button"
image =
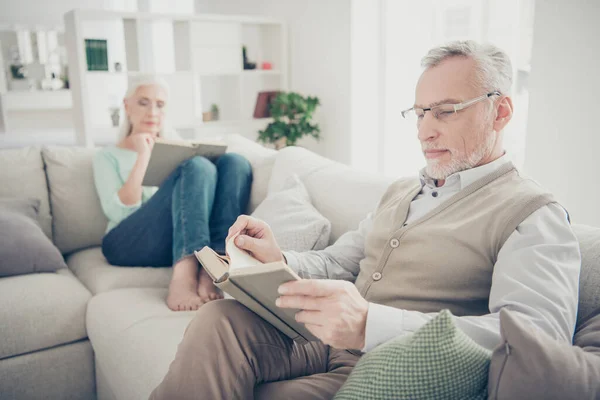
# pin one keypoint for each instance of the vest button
(377, 276)
(394, 243)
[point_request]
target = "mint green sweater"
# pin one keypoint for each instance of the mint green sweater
(112, 166)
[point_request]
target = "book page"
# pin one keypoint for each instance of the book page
(239, 258)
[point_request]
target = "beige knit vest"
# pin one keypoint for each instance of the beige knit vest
(446, 258)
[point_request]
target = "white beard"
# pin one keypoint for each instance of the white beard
(436, 171)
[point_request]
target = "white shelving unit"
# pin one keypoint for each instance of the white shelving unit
(21, 111)
(200, 57)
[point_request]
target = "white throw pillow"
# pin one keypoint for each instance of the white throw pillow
(296, 224)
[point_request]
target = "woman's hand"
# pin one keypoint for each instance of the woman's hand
(142, 143)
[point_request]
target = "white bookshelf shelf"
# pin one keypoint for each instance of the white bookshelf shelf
(36, 100)
(259, 72)
(200, 57)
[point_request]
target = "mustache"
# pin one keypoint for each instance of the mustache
(426, 147)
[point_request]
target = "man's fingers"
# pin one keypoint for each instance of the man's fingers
(239, 225)
(300, 302)
(247, 225)
(247, 243)
(311, 317)
(310, 287)
(316, 330)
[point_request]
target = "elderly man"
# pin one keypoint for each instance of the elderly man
(472, 235)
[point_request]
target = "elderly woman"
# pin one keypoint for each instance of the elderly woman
(193, 208)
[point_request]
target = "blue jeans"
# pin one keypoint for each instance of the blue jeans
(180, 218)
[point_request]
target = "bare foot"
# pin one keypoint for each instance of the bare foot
(206, 289)
(183, 295)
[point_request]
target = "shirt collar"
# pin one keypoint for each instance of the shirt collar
(468, 176)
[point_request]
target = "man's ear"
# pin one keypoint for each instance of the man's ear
(504, 112)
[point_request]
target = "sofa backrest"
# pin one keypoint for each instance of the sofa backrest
(589, 280)
(77, 217)
(22, 175)
(341, 194)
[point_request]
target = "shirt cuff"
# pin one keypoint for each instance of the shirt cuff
(383, 323)
(293, 262)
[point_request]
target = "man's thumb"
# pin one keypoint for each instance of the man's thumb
(245, 242)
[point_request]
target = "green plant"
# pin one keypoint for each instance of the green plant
(214, 110)
(292, 114)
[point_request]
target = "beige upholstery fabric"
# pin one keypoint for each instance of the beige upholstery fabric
(295, 160)
(78, 220)
(22, 175)
(135, 337)
(92, 269)
(40, 311)
(261, 159)
(341, 194)
(63, 372)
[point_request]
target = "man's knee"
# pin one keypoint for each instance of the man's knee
(217, 315)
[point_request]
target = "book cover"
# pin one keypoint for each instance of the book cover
(262, 108)
(168, 154)
(255, 285)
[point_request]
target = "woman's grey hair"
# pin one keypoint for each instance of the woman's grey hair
(494, 69)
(146, 80)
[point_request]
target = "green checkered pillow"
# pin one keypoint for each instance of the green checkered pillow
(437, 362)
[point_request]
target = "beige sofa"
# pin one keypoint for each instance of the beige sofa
(95, 330)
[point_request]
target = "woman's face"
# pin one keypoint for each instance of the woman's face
(146, 109)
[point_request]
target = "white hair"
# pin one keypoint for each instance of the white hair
(146, 80)
(494, 69)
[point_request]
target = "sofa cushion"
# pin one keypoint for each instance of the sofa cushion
(40, 311)
(587, 335)
(532, 365)
(22, 175)
(356, 193)
(61, 372)
(589, 279)
(135, 338)
(78, 219)
(438, 361)
(296, 224)
(92, 269)
(261, 159)
(24, 248)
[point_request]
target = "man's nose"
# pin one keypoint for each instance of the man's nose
(427, 127)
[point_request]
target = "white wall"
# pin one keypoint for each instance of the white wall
(319, 58)
(563, 140)
(367, 82)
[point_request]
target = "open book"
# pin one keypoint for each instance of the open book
(255, 284)
(168, 154)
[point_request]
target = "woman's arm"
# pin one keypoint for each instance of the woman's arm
(131, 192)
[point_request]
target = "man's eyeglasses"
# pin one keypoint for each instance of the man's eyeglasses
(444, 111)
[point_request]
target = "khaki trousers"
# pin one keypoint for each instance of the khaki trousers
(228, 352)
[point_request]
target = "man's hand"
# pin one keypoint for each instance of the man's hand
(255, 237)
(332, 310)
